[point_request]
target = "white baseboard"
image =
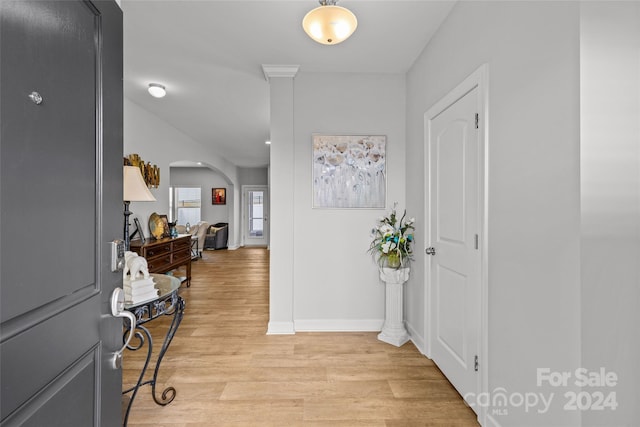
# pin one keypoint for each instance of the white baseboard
(338, 325)
(280, 328)
(416, 339)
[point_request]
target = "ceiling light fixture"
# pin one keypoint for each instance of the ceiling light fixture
(157, 90)
(268, 142)
(329, 24)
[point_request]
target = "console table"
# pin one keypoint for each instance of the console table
(167, 303)
(164, 255)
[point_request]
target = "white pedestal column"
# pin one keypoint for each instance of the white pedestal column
(393, 330)
(281, 179)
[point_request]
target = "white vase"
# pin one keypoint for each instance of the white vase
(393, 330)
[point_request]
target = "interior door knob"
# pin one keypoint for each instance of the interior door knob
(430, 251)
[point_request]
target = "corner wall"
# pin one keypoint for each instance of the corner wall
(532, 52)
(610, 202)
(336, 284)
(206, 179)
(322, 278)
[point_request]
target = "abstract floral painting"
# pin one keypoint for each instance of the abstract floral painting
(349, 171)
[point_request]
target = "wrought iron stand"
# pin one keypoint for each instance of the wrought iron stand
(170, 304)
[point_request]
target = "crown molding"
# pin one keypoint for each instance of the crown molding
(270, 71)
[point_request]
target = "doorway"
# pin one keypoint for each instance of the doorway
(255, 209)
(455, 270)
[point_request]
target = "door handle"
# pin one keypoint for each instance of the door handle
(117, 310)
(430, 251)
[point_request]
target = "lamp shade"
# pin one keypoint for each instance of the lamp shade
(135, 189)
(329, 24)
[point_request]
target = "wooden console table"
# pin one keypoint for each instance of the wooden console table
(166, 254)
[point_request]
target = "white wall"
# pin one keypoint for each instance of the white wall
(206, 179)
(253, 176)
(610, 196)
(531, 49)
(336, 285)
(160, 143)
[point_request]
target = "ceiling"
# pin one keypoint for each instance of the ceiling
(209, 55)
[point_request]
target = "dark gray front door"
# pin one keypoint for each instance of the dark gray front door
(60, 205)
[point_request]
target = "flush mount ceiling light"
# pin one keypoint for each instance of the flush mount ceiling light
(157, 90)
(329, 24)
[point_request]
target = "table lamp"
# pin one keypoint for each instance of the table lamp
(135, 190)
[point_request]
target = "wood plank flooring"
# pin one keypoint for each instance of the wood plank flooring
(227, 372)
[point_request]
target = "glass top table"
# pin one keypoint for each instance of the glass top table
(167, 303)
(165, 285)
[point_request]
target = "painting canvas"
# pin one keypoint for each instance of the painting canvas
(349, 171)
(218, 196)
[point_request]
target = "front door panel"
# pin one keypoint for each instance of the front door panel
(61, 199)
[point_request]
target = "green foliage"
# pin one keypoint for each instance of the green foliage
(392, 239)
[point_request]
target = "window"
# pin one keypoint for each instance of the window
(256, 215)
(185, 204)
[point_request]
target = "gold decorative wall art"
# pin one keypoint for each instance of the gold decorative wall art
(151, 174)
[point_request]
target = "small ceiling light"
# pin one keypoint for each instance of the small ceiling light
(268, 142)
(329, 24)
(157, 90)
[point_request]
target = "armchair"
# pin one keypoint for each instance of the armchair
(199, 230)
(217, 236)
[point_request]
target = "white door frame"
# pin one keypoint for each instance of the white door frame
(479, 79)
(244, 213)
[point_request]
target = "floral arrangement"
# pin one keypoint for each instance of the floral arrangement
(392, 238)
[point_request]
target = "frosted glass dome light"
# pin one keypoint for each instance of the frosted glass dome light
(329, 24)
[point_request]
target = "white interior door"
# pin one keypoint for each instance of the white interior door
(256, 214)
(454, 227)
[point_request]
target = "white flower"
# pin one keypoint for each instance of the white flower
(386, 229)
(391, 236)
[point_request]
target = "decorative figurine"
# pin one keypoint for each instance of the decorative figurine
(134, 265)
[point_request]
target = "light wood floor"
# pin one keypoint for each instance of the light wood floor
(227, 372)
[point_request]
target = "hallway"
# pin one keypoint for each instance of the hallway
(227, 372)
